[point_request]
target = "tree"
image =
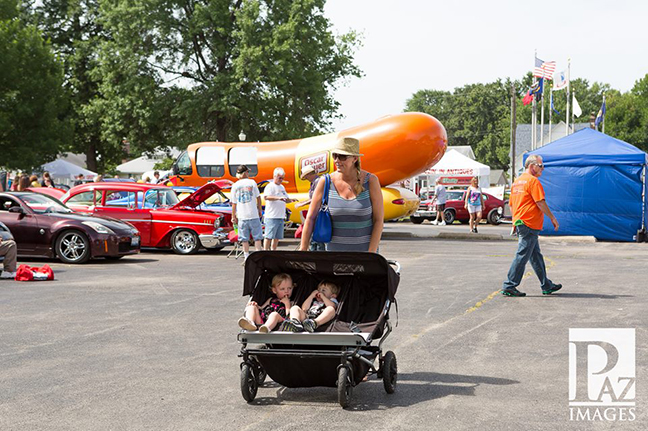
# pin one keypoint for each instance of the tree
(627, 115)
(32, 102)
(267, 67)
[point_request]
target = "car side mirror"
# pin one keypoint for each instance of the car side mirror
(17, 209)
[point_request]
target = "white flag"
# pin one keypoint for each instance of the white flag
(576, 109)
(560, 80)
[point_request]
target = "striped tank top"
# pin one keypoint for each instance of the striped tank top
(352, 220)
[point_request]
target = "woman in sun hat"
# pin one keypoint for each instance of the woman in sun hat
(355, 202)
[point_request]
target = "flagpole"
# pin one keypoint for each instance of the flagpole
(573, 117)
(533, 107)
(550, 110)
(542, 113)
(603, 129)
(568, 84)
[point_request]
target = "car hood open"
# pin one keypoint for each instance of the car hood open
(199, 196)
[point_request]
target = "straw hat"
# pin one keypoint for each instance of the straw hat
(347, 146)
(307, 170)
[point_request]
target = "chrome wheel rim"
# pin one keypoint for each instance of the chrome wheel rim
(185, 242)
(73, 246)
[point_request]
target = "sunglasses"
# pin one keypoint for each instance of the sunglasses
(540, 165)
(340, 157)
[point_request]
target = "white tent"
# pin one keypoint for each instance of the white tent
(455, 164)
(146, 163)
(60, 169)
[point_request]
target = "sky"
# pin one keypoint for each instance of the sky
(411, 45)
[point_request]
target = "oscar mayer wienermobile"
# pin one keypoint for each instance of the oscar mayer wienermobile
(395, 147)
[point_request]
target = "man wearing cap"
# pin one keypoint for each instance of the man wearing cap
(246, 210)
(309, 174)
(529, 208)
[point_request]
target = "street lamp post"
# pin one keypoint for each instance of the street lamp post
(241, 136)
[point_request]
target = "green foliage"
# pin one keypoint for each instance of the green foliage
(164, 165)
(31, 97)
(479, 114)
(222, 66)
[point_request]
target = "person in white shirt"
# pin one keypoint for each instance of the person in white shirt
(246, 210)
(276, 199)
(440, 198)
(156, 177)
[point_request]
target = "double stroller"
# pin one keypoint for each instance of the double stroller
(342, 352)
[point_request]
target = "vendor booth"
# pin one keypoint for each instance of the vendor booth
(66, 172)
(455, 169)
(595, 185)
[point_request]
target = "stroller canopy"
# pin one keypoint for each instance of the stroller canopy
(321, 263)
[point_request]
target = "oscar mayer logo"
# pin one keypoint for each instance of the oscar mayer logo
(318, 161)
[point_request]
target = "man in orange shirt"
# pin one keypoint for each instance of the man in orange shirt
(529, 208)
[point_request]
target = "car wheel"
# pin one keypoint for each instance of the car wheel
(184, 242)
(449, 216)
(416, 220)
(72, 246)
(494, 217)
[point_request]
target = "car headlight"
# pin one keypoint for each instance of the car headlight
(98, 227)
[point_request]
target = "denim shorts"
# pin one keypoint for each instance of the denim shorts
(274, 228)
(247, 227)
(472, 209)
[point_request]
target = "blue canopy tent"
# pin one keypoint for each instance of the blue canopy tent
(595, 185)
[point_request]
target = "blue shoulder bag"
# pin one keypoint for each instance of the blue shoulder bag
(323, 230)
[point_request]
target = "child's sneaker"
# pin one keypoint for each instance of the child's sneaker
(247, 324)
(309, 325)
(264, 329)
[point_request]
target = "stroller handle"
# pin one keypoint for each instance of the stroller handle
(396, 264)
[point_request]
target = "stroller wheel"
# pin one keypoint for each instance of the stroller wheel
(389, 372)
(249, 384)
(344, 387)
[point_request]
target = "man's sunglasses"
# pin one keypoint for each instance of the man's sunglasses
(340, 157)
(540, 165)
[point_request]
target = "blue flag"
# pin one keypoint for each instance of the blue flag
(600, 115)
(552, 106)
(537, 87)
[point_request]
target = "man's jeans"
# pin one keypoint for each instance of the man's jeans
(528, 250)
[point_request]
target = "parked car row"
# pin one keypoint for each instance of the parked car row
(114, 219)
(455, 210)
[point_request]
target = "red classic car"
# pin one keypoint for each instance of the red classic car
(162, 219)
(454, 209)
(44, 227)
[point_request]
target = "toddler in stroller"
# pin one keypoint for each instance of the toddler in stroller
(343, 350)
(318, 309)
(273, 311)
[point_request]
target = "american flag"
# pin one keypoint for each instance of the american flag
(544, 69)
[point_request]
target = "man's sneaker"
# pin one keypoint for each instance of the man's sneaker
(554, 288)
(443, 223)
(310, 325)
(247, 324)
(512, 292)
(264, 329)
(7, 275)
(434, 222)
(476, 229)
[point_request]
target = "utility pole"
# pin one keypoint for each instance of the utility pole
(513, 127)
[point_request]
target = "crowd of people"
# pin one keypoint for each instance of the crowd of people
(22, 182)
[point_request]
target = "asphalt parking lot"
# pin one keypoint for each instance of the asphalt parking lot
(149, 342)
